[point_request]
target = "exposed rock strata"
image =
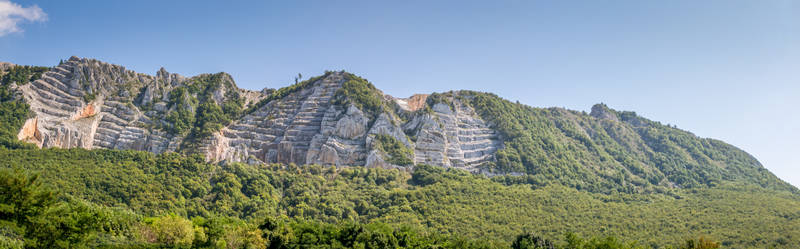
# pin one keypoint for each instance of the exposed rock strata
(89, 104)
(64, 117)
(453, 137)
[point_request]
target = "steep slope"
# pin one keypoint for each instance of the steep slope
(449, 133)
(333, 120)
(341, 119)
(280, 130)
(90, 104)
(610, 150)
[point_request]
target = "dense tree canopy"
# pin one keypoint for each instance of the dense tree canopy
(612, 151)
(668, 192)
(431, 200)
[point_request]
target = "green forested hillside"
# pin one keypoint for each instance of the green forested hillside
(610, 150)
(432, 200)
(587, 177)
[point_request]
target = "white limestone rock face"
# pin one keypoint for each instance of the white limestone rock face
(453, 136)
(81, 103)
(387, 125)
(376, 160)
(304, 127)
(84, 103)
(352, 125)
(282, 130)
(341, 138)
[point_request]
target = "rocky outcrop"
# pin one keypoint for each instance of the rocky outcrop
(30, 131)
(90, 104)
(5, 66)
(413, 103)
(304, 127)
(376, 159)
(251, 97)
(453, 136)
(601, 111)
(279, 131)
(341, 140)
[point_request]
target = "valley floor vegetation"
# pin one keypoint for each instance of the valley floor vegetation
(72, 198)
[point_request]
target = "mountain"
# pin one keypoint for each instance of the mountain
(341, 119)
(89, 104)
(140, 161)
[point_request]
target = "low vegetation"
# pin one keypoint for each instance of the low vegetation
(363, 95)
(13, 113)
(22, 74)
(397, 152)
(202, 106)
(432, 201)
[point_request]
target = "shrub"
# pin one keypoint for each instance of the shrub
(397, 152)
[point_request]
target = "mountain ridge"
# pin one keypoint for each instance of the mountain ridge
(336, 118)
(142, 153)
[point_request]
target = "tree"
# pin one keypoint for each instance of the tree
(278, 233)
(31, 211)
(22, 197)
(68, 224)
(173, 230)
(531, 241)
(210, 118)
(700, 243)
(298, 78)
(425, 175)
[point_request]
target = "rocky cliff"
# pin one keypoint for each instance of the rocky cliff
(309, 127)
(341, 119)
(91, 104)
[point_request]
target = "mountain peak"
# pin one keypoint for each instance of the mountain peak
(341, 119)
(162, 72)
(602, 111)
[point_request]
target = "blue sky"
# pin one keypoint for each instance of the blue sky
(723, 69)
